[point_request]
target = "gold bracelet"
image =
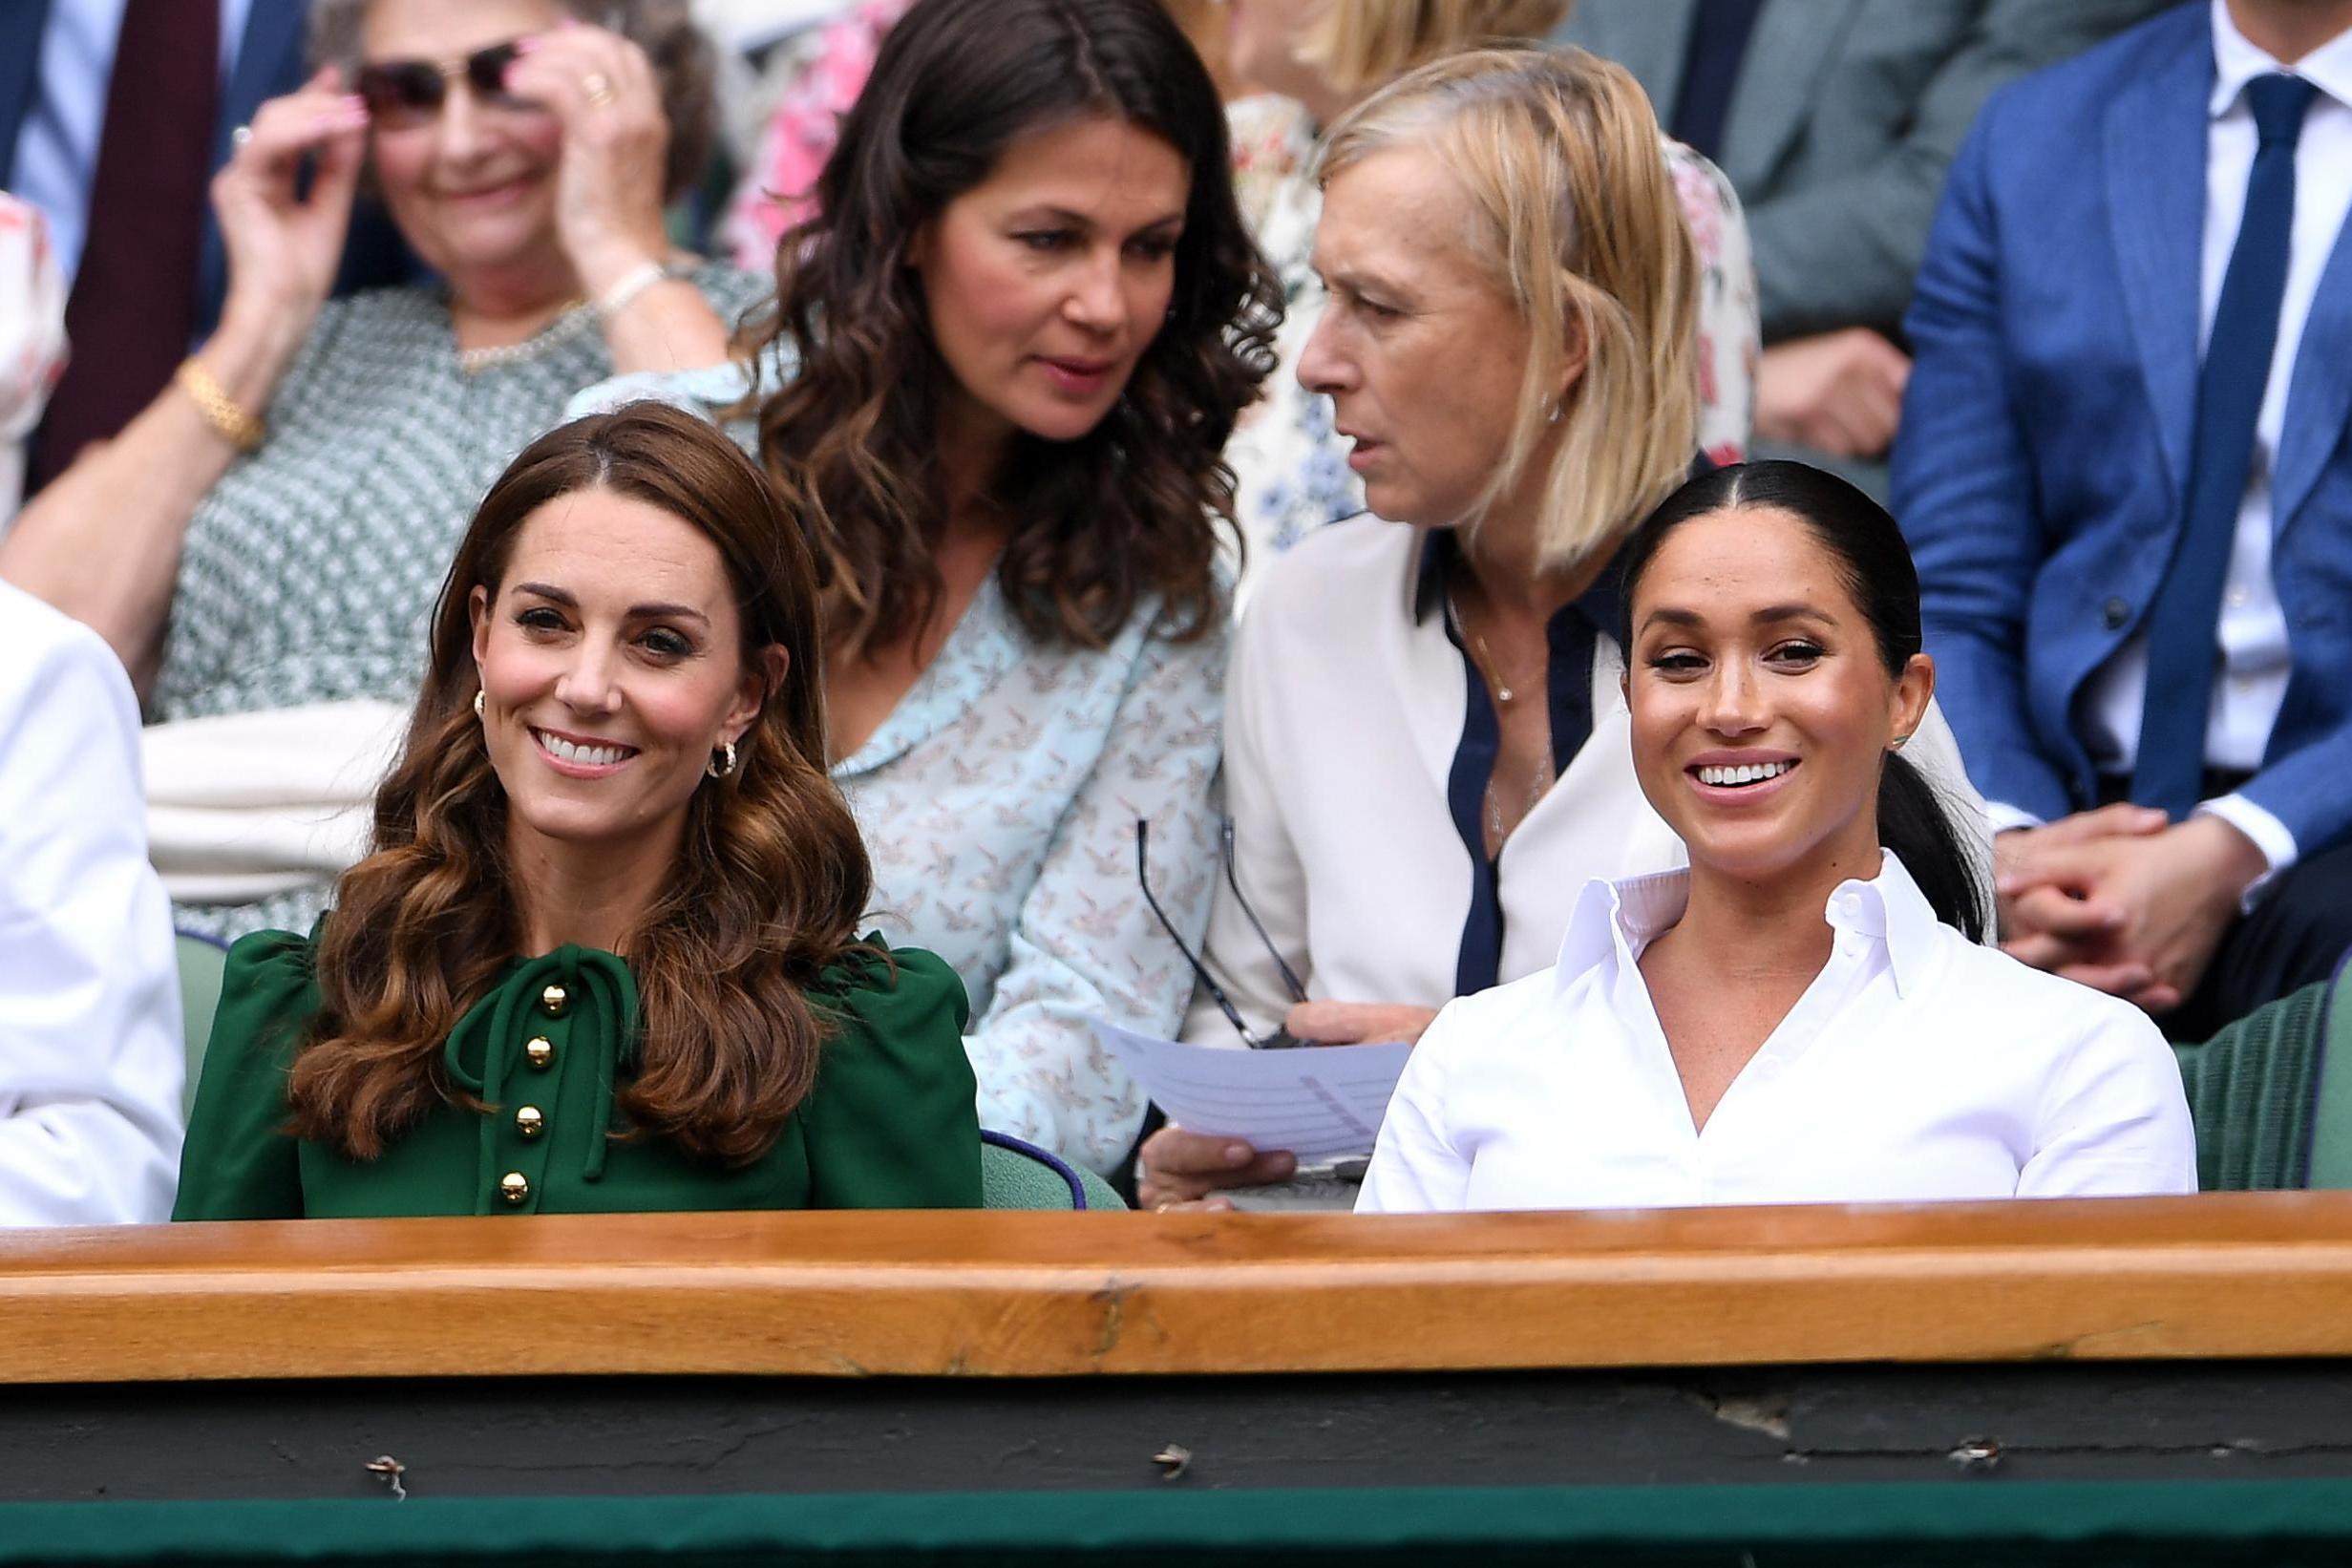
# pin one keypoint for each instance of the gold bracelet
(239, 429)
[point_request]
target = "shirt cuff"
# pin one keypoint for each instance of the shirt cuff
(2004, 816)
(2270, 836)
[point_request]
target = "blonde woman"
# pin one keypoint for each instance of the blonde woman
(1309, 61)
(1427, 748)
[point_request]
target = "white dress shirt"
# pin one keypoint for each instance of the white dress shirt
(2251, 682)
(91, 1052)
(1916, 1067)
(1346, 704)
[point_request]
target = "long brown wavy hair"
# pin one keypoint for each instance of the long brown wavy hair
(1123, 512)
(767, 891)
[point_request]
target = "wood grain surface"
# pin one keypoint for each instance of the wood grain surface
(1010, 1294)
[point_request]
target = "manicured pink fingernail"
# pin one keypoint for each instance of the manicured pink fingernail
(1237, 1153)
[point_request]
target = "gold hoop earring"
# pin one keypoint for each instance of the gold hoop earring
(481, 702)
(726, 750)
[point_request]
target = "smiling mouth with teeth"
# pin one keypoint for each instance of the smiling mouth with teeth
(1751, 772)
(581, 756)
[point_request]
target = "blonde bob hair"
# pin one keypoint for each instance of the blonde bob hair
(1359, 44)
(1574, 216)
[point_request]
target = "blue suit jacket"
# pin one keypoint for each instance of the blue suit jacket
(2044, 462)
(269, 62)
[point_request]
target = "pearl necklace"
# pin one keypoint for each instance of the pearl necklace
(573, 317)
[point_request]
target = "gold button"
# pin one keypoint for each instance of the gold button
(529, 1123)
(553, 998)
(540, 1051)
(514, 1187)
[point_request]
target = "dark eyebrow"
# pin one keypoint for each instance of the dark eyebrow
(1763, 617)
(636, 612)
(1079, 219)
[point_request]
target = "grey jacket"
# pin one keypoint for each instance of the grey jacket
(1846, 117)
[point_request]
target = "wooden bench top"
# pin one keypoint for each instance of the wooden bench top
(1013, 1294)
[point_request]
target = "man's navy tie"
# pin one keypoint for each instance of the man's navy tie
(2184, 624)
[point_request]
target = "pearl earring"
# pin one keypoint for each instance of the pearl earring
(481, 700)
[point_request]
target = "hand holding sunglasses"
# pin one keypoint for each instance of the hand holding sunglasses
(610, 189)
(283, 240)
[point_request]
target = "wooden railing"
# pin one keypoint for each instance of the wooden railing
(1067, 1295)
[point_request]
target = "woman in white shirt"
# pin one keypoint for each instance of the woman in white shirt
(1424, 736)
(1807, 1013)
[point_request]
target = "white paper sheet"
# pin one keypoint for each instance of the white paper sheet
(1319, 1102)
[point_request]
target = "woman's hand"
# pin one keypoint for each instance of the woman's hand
(1358, 1023)
(1181, 1169)
(283, 247)
(608, 188)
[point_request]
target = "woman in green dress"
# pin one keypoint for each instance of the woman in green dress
(603, 956)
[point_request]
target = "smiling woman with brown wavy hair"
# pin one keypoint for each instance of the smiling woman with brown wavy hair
(603, 956)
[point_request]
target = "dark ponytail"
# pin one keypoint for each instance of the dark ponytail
(1914, 820)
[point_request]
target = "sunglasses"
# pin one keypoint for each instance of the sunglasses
(410, 90)
(1278, 1038)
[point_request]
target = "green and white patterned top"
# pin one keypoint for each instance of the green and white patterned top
(309, 571)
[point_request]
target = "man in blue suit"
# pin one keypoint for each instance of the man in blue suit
(56, 73)
(2125, 473)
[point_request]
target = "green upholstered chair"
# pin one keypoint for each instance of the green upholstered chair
(1013, 1174)
(2271, 1095)
(1017, 1174)
(202, 961)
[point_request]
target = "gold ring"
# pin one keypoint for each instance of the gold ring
(599, 88)
(1163, 1205)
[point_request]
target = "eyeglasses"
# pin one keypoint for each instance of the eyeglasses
(1280, 1039)
(413, 90)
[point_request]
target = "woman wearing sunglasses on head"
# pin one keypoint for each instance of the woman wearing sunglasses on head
(1425, 746)
(268, 535)
(1807, 1012)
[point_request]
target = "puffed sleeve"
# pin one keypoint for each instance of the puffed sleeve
(890, 1124)
(239, 1162)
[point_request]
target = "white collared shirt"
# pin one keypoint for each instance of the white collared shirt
(90, 1054)
(1344, 714)
(1916, 1067)
(2251, 682)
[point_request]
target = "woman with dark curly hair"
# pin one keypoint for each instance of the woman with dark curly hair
(1015, 334)
(605, 954)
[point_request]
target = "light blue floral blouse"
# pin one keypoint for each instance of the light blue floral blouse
(999, 803)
